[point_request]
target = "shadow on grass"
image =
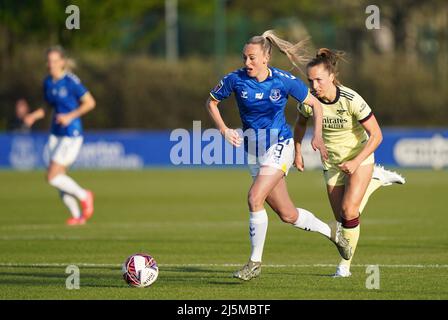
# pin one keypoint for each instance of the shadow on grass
(111, 277)
(190, 269)
(60, 267)
(51, 279)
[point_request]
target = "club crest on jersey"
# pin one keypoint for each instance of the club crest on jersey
(62, 92)
(275, 95)
(340, 112)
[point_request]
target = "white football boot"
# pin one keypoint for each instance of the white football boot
(342, 271)
(387, 177)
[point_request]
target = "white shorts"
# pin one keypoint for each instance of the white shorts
(64, 150)
(279, 156)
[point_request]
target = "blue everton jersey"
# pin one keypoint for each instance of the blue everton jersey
(262, 104)
(63, 96)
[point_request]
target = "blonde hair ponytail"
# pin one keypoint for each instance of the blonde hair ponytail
(70, 64)
(296, 53)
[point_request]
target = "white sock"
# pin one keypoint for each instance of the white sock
(307, 221)
(258, 225)
(71, 203)
(68, 185)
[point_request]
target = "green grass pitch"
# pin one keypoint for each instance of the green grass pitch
(195, 223)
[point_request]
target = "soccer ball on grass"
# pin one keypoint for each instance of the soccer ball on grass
(140, 270)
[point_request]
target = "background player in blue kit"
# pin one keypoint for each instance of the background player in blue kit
(69, 100)
(261, 92)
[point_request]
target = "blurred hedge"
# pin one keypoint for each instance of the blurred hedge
(148, 93)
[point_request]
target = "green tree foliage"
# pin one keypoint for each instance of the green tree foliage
(401, 68)
(104, 24)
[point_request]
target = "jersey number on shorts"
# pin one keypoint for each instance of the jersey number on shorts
(278, 150)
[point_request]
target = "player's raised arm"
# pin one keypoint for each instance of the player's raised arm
(222, 91)
(299, 133)
(317, 142)
(88, 103)
(34, 116)
(375, 138)
(230, 135)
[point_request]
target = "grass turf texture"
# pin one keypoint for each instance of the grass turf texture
(195, 223)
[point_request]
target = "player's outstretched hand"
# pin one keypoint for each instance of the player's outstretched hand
(298, 162)
(29, 120)
(64, 119)
(349, 167)
(318, 144)
(233, 137)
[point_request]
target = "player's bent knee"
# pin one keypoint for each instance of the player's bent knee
(53, 172)
(255, 200)
(350, 211)
(287, 214)
(49, 177)
(288, 219)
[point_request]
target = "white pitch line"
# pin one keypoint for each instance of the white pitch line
(110, 265)
(125, 238)
(160, 224)
(121, 226)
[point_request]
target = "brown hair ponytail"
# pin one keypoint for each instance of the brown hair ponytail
(329, 58)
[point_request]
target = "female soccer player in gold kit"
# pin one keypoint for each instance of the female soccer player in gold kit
(351, 134)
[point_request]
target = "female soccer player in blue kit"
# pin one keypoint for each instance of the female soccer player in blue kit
(70, 100)
(261, 92)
